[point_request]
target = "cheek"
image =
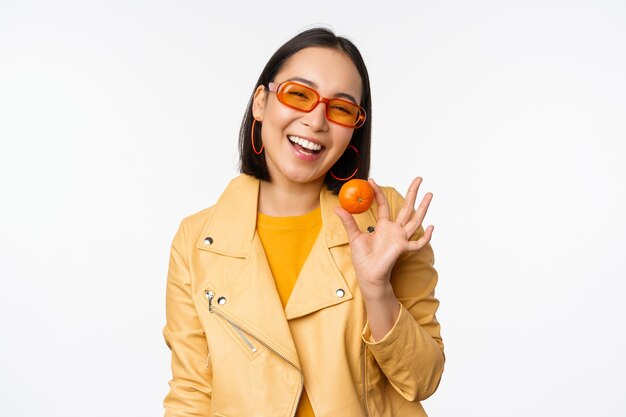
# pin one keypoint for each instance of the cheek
(343, 137)
(277, 114)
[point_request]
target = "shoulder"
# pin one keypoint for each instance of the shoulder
(229, 224)
(238, 191)
(198, 219)
(190, 228)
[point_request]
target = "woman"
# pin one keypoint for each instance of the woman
(279, 302)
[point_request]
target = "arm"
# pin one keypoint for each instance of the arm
(411, 354)
(394, 267)
(190, 387)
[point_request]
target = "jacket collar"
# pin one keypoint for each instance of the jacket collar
(230, 229)
(232, 226)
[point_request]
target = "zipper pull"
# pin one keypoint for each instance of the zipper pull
(209, 296)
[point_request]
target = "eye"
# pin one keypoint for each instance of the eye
(342, 108)
(297, 93)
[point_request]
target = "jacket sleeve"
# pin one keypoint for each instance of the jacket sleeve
(411, 353)
(190, 386)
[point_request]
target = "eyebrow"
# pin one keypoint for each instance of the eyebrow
(314, 85)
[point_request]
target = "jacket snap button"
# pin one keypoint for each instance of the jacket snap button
(208, 240)
(221, 301)
(340, 293)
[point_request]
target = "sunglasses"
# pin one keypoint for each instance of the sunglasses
(304, 98)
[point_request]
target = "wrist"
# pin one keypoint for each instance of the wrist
(378, 292)
(382, 309)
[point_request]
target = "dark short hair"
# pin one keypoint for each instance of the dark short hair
(255, 165)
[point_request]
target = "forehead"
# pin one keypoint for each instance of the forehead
(331, 71)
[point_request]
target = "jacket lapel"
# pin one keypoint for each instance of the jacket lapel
(242, 274)
(320, 283)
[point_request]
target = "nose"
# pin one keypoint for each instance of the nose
(316, 118)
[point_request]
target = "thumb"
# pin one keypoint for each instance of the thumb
(348, 223)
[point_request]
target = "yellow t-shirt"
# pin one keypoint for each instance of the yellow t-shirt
(287, 242)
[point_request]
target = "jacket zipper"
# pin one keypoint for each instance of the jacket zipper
(210, 295)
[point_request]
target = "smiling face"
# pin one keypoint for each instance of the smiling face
(301, 147)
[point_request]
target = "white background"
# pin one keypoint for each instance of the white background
(119, 118)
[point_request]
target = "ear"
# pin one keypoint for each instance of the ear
(258, 103)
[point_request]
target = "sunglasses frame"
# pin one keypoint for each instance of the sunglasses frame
(278, 87)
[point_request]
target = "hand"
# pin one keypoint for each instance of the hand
(375, 254)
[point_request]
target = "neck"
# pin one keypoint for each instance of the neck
(289, 199)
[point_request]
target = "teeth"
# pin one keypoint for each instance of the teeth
(305, 143)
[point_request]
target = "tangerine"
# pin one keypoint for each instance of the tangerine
(356, 196)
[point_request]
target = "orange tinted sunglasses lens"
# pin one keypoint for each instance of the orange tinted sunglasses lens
(298, 96)
(345, 113)
(301, 97)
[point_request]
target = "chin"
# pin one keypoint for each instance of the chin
(304, 177)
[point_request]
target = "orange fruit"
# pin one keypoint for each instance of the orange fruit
(356, 196)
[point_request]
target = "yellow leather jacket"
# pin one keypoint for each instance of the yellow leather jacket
(237, 353)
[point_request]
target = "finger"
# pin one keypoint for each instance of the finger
(381, 201)
(415, 245)
(348, 223)
(407, 210)
(419, 215)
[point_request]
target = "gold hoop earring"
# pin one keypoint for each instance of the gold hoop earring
(355, 171)
(259, 152)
